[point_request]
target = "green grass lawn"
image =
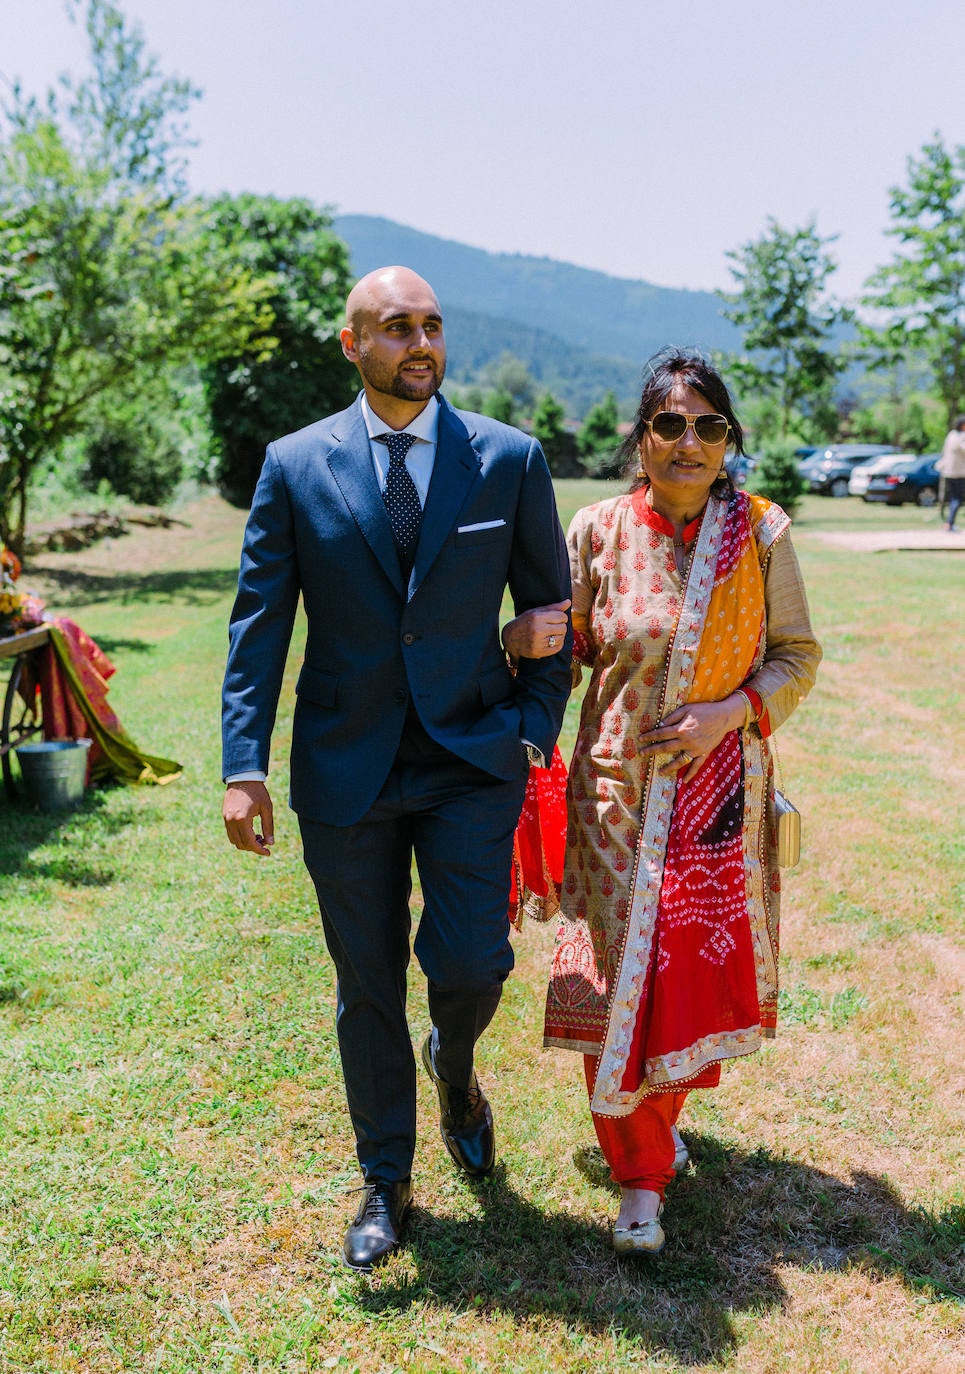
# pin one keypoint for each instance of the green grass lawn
(176, 1153)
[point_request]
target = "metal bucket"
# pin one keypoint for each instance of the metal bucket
(54, 772)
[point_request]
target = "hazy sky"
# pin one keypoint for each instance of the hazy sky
(639, 138)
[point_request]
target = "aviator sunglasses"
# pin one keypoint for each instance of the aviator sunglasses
(669, 426)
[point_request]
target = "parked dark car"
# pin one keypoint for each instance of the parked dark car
(828, 469)
(908, 479)
(862, 473)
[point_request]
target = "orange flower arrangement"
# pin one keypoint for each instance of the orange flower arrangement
(18, 610)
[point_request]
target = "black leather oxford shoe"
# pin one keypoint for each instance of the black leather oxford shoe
(465, 1120)
(377, 1229)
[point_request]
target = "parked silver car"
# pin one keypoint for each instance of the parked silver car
(828, 470)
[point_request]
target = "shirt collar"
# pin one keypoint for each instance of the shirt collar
(425, 425)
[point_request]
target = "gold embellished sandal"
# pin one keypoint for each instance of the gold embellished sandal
(642, 1238)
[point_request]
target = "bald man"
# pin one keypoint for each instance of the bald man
(400, 522)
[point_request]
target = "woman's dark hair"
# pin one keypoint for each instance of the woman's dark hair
(680, 367)
(959, 421)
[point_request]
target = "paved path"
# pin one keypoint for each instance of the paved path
(880, 541)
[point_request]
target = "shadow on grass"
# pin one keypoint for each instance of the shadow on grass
(67, 588)
(113, 646)
(734, 1219)
(24, 828)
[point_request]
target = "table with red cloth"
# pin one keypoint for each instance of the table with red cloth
(71, 673)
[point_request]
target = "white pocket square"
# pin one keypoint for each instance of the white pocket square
(483, 525)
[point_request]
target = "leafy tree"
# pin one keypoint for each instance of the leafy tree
(500, 405)
(510, 376)
(778, 476)
(134, 458)
(129, 118)
(759, 412)
(787, 318)
(290, 243)
(819, 417)
(507, 391)
(467, 398)
(912, 420)
(598, 438)
(549, 429)
(921, 292)
(141, 446)
(106, 276)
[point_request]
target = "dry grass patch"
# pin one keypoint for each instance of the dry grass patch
(826, 1323)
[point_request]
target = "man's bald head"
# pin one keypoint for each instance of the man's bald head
(393, 335)
(386, 286)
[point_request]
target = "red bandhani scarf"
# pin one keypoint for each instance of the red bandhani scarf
(539, 845)
(702, 938)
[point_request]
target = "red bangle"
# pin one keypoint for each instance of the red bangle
(756, 701)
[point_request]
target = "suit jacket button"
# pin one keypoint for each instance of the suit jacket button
(401, 696)
(408, 638)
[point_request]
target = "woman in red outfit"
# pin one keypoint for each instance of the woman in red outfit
(690, 615)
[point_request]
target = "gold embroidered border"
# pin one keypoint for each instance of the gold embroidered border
(645, 884)
(688, 1063)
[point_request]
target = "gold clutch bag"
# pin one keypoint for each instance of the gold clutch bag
(788, 831)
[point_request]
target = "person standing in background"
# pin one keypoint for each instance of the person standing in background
(951, 465)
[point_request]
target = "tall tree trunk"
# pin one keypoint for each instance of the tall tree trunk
(19, 532)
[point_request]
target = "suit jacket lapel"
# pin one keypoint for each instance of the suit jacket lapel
(455, 469)
(350, 463)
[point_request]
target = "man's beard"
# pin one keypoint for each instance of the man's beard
(413, 388)
(395, 383)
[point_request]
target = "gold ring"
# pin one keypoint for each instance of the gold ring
(687, 758)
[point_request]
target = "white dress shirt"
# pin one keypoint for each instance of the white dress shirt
(421, 456)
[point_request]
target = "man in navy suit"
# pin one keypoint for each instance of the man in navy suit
(400, 522)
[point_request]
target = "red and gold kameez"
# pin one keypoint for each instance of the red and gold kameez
(666, 955)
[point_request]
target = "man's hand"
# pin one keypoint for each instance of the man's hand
(538, 633)
(243, 801)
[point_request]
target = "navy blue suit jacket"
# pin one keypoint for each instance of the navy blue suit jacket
(318, 528)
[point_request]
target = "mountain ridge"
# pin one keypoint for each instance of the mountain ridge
(586, 329)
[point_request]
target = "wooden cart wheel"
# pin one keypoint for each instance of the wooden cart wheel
(21, 720)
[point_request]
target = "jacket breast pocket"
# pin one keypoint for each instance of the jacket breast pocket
(321, 689)
(493, 535)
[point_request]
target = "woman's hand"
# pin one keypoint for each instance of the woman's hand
(538, 633)
(692, 732)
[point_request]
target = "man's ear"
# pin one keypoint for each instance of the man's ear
(349, 346)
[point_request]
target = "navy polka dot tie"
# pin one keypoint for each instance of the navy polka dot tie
(401, 498)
